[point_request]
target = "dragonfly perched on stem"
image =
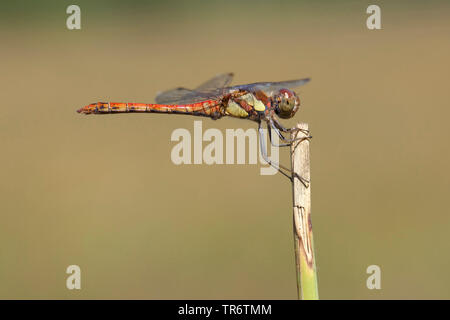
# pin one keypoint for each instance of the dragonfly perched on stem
(259, 102)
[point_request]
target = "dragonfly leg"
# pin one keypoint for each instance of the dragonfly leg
(276, 165)
(289, 141)
(287, 130)
(269, 130)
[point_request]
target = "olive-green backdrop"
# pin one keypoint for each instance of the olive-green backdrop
(101, 192)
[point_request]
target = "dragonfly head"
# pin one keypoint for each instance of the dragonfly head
(286, 103)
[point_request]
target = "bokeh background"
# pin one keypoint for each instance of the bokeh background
(101, 191)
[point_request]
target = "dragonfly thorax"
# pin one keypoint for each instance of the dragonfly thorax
(286, 103)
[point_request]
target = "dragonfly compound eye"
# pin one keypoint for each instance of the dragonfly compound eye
(287, 104)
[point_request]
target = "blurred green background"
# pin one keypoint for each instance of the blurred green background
(101, 191)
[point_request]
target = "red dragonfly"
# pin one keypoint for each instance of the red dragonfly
(259, 102)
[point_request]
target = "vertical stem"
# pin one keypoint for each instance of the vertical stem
(303, 236)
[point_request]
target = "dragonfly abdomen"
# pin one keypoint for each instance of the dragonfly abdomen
(209, 108)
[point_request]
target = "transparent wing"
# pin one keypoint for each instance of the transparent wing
(270, 86)
(211, 89)
(219, 81)
(172, 96)
(186, 96)
(214, 89)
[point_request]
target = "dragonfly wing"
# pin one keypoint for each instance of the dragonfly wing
(170, 96)
(219, 81)
(271, 86)
(186, 96)
(211, 89)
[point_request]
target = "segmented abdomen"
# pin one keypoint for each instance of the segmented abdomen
(208, 108)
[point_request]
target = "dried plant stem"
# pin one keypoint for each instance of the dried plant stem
(303, 236)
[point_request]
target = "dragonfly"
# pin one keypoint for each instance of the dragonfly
(260, 102)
